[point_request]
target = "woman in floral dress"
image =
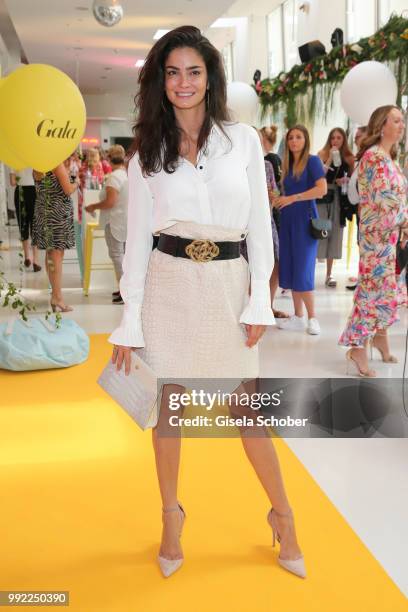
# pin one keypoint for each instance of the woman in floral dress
(383, 214)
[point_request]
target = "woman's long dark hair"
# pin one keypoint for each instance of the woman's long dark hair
(157, 136)
(288, 158)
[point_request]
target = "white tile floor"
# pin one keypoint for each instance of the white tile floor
(367, 480)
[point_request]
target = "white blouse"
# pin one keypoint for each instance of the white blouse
(227, 188)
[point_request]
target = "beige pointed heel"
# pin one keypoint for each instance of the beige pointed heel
(295, 566)
(169, 566)
(385, 358)
(362, 373)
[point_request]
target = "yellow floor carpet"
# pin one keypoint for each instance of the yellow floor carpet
(80, 511)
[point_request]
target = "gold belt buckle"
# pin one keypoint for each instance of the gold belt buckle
(202, 250)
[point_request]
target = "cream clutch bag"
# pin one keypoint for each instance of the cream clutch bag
(136, 393)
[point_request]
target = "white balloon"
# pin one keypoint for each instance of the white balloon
(366, 87)
(242, 101)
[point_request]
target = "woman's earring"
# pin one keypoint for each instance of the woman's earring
(382, 133)
(163, 106)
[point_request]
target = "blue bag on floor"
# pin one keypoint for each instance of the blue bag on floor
(38, 345)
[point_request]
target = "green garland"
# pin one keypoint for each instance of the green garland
(310, 87)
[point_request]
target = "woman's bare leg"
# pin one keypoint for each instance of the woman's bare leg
(329, 267)
(264, 460)
(167, 454)
(308, 300)
(298, 303)
(261, 453)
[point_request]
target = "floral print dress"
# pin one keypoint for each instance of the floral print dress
(383, 212)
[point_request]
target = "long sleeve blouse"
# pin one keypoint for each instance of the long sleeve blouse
(227, 188)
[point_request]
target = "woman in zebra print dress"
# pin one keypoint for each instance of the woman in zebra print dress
(53, 226)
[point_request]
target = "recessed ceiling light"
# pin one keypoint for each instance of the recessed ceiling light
(159, 34)
(81, 8)
(139, 63)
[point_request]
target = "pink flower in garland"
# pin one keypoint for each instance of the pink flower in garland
(281, 89)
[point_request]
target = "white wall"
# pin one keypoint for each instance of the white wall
(320, 21)
(109, 116)
(109, 105)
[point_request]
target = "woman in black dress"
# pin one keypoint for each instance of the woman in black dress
(24, 202)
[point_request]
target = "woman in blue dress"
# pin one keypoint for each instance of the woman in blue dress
(303, 180)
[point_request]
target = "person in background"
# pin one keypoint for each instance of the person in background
(113, 207)
(93, 166)
(268, 141)
(338, 162)
(303, 180)
(104, 156)
(53, 226)
(383, 216)
(24, 201)
(268, 138)
(352, 190)
(74, 166)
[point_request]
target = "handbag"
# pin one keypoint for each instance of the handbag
(38, 344)
(320, 228)
(137, 393)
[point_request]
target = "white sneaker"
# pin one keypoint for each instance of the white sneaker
(293, 323)
(313, 327)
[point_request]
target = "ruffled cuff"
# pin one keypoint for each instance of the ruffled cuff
(130, 332)
(258, 311)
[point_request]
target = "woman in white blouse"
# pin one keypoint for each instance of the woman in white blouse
(198, 181)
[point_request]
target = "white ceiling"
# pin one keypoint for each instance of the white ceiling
(57, 33)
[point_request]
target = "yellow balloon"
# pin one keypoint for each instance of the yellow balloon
(42, 115)
(6, 155)
(9, 158)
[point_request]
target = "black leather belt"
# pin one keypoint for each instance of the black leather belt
(196, 250)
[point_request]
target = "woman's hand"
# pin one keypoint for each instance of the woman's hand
(90, 208)
(254, 333)
(120, 355)
(283, 201)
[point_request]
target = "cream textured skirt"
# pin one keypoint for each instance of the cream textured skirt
(191, 312)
